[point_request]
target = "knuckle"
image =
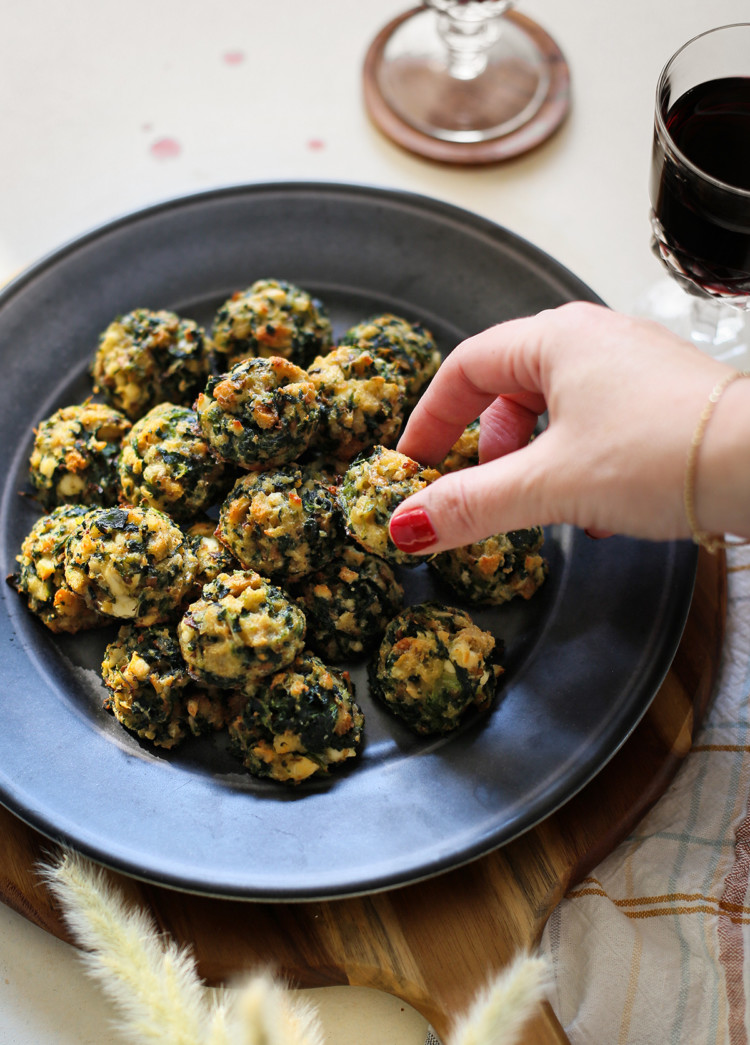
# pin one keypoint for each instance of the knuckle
(578, 312)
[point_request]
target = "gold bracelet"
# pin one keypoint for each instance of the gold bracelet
(711, 542)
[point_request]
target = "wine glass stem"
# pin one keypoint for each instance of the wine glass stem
(704, 316)
(718, 329)
(468, 37)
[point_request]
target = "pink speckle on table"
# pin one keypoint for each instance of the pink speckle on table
(316, 144)
(165, 149)
(233, 57)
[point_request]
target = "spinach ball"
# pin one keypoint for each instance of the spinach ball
(213, 556)
(241, 628)
(433, 665)
(74, 459)
(146, 677)
(410, 347)
(370, 492)
(271, 318)
(362, 401)
(167, 463)
(147, 357)
(263, 412)
(495, 569)
(465, 451)
(298, 723)
(150, 691)
(41, 575)
(348, 604)
(283, 523)
(131, 562)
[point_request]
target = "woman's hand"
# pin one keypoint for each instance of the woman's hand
(623, 398)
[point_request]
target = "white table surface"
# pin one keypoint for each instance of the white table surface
(106, 107)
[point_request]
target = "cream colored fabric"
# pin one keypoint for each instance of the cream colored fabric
(652, 947)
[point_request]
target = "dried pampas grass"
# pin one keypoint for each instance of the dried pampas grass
(154, 984)
(159, 996)
(499, 1012)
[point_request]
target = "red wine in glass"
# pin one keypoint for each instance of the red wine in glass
(700, 188)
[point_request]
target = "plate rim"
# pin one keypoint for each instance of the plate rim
(417, 199)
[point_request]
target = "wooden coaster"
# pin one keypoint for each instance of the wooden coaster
(544, 122)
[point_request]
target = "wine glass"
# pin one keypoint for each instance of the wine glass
(464, 80)
(700, 191)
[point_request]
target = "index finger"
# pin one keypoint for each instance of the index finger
(500, 361)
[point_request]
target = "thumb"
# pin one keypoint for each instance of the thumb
(508, 493)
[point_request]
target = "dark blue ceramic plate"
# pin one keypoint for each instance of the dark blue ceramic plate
(584, 657)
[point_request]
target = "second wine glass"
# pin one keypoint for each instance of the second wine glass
(466, 81)
(700, 190)
(460, 71)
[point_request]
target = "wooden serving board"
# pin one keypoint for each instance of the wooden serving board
(434, 943)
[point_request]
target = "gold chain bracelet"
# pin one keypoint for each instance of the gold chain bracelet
(712, 542)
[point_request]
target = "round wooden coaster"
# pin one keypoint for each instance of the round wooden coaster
(542, 124)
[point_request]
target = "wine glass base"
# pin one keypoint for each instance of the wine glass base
(712, 326)
(519, 100)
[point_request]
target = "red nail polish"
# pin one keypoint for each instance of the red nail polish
(412, 531)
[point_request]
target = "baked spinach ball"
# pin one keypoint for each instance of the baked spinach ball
(213, 556)
(298, 723)
(326, 467)
(151, 693)
(241, 628)
(166, 462)
(131, 562)
(371, 490)
(147, 357)
(208, 709)
(283, 523)
(495, 569)
(348, 604)
(41, 575)
(465, 451)
(146, 677)
(74, 458)
(410, 347)
(262, 412)
(270, 318)
(362, 399)
(433, 665)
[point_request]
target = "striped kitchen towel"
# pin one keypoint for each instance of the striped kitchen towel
(653, 947)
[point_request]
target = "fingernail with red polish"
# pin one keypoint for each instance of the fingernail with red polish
(412, 531)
